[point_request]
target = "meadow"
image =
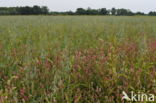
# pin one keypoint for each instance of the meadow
(76, 59)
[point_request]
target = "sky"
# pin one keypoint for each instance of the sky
(66, 5)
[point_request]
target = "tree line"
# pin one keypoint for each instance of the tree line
(35, 10)
(43, 10)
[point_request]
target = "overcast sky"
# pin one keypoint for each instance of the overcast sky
(65, 5)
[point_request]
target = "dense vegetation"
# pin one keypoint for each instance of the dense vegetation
(37, 10)
(75, 59)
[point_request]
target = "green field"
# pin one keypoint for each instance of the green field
(76, 59)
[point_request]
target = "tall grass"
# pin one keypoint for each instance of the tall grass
(76, 59)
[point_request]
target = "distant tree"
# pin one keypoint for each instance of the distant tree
(24, 10)
(44, 10)
(37, 10)
(80, 11)
(113, 11)
(90, 11)
(53, 13)
(12, 10)
(139, 13)
(122, 12)
(70, 13)
(103, 11)
(129, 13)
(152, 13)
